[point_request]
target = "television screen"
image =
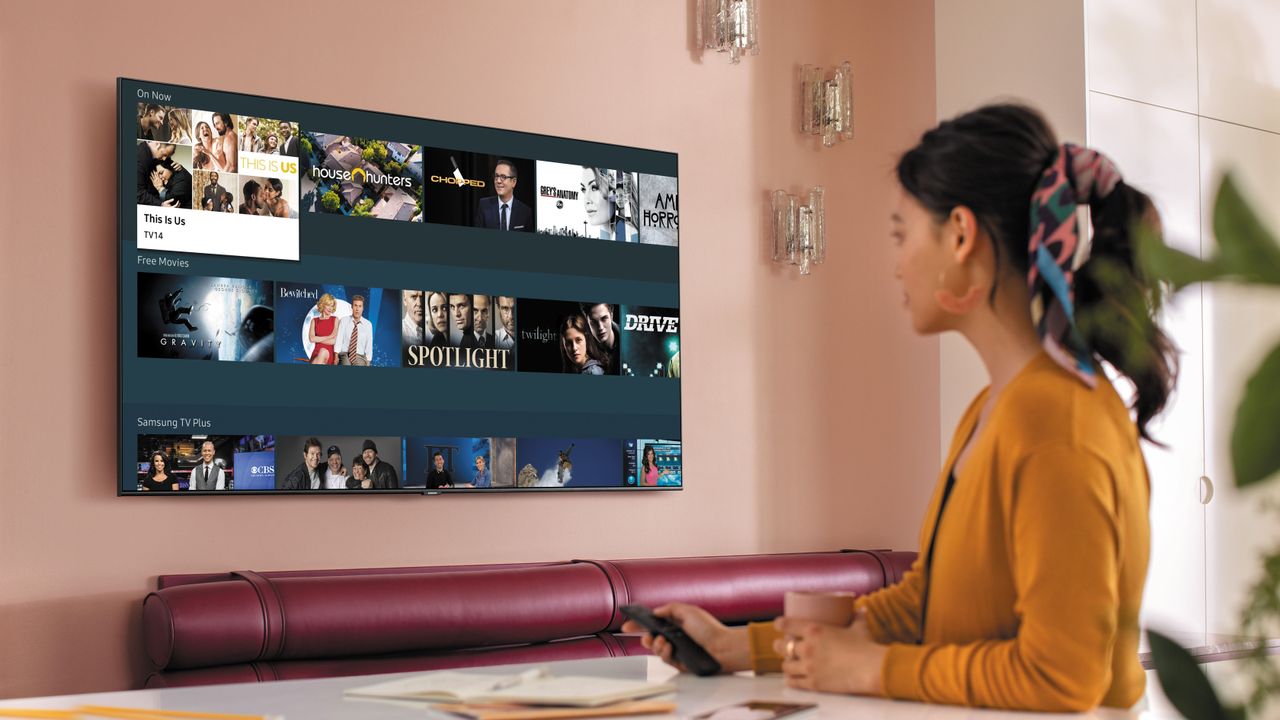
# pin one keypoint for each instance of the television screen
(318, 299)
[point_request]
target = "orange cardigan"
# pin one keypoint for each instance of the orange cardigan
(1040, 560)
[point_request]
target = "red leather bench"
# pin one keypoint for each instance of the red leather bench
(250, 626)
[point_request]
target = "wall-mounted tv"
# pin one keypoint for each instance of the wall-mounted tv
(324, 300)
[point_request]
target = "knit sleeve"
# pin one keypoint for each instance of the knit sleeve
(761, 636)
(893, 614)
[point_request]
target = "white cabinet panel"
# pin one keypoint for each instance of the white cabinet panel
(1240, 62)
(1242, 325)
(1175, 598)
(1143, 49)
(1156, 151)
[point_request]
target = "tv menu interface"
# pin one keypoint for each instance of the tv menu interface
(318, 299)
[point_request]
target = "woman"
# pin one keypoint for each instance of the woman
(1034, 548)
(650, 473)
(323, 332)
(249, 140)
(273, 144)
(202, 157)
(158, 479)
(179, 126)
(604, 200)
(437, 319)
(359, 479)
(271, 199)
(579, 351)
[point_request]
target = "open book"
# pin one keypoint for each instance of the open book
(535, 687)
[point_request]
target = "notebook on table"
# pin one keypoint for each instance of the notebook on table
(535, 687)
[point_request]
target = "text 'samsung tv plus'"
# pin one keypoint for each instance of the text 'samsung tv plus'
(316, 299)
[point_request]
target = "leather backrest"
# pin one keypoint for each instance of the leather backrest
(252, 618)
(259, 618)
(741, 588)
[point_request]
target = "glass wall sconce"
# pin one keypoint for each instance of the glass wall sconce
(826, 106)
(799, 231)
(728, 26)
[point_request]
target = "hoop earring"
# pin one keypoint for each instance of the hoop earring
(953, 303)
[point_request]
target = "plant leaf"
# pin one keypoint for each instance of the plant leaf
(1174, 266)
(1247, 252)
(1183, 682)
(1245, 247)
(1255, 445)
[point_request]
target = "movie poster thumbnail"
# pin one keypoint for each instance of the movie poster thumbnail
(269, 197)
(568, 337)
(164, 123)
(163, 178)
(415, 330)
(267, 136)
(267, 185)
(566, 463)
(659, 210)
(444, 463)
(359, 177)
(484, 191)
(218, 165)
(205, 318)
(215, 192)
(443, 328)
(338, 325)
(169, 463)
(215, 142)
(650, 341)
(653, 463)
(338, 462)
(585, 201)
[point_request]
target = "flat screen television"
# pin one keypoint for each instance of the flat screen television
(325, 300)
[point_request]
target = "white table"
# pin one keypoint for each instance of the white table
(322, 699)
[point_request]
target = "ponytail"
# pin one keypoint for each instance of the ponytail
(1117, 301)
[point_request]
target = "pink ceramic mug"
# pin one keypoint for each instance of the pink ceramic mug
(828, 608)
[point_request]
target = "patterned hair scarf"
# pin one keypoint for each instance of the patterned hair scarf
(1057, 250)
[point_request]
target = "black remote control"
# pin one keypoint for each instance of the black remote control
(684, 649)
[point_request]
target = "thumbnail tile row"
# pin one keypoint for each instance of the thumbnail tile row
(239, 320)
(183, 463)
(248, 165)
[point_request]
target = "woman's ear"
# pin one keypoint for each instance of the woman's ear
(960, 283)
(962, 226)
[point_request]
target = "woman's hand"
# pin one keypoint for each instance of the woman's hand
(729, 646)
(831, 659)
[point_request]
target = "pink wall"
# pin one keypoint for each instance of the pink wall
(810, 409)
